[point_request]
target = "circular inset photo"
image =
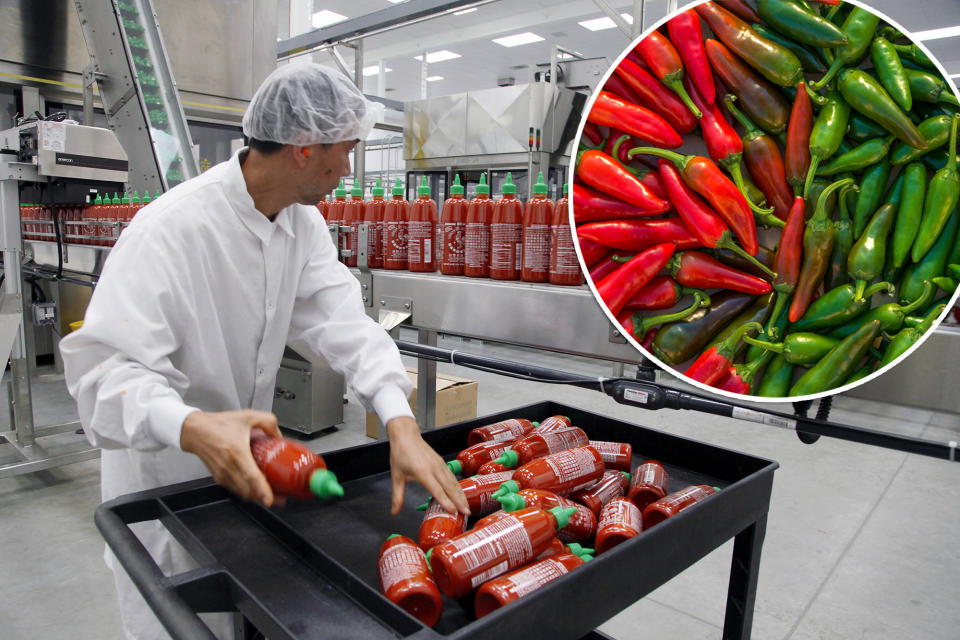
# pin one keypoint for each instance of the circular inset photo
(765, 195)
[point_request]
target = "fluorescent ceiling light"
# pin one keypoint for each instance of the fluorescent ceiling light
(325, 18)
(434, 78)
(460, 13)
(374, 70)
(518, 39)
(396, 1)
(438, 56)
(936, 34)
(599, 24)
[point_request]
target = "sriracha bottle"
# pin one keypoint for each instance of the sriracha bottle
(620, 520)
(479, 491)
(335, 213)
(292, 469)
(90, 216)
(613, 484)
(616, 455)
(322, 208)
(439, 525)
(503, 430)
(463, 563)
(492, 467)
(373, 216)
(406, 581)
(111, 219)
(395, 230)
(352, 215)
(582, 524)
(511, 586)
(538, 445)
(489, 519)
(470, 459)
(124, 215)
(422, 231)
(671, 505)
(505, 234)
(562, 473)
(564, 267)
(476, 253)
(649, 484)
(552, 424)
(535, 243)
(453, 222)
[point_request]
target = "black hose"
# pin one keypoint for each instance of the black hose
(56, 229)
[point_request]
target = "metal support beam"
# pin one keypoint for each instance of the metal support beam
(637, 19)
(427, 383)
(360, 150)
(615, 16)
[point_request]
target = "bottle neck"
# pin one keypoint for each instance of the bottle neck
(482, 196)
(509, 196)
(378, 198)
(398, 197)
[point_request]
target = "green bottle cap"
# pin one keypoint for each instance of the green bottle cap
(566, 188)
(340, 192)
(146, 197)
(356, 192)
(482, 186)
(717, 489)
(157, 194)
(508, 186)
(577, 549)
(457, 188)
(424, 188)
(455, 466)
(536, 424)
(377, 190)
(136, 198)
(508, 458)
(125, 199)
(507, 487)
(540, 187)
(586, 557)
(98, 200)
(323, 484)
(562, 515)
(394, 535)
(629, 476)
(397, 188)
(512, 502)
(428, 556)
(116, 199)
(424, 506)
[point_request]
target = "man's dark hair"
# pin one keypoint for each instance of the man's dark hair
(266, 147)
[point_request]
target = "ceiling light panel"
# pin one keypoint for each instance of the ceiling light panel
(374, 70)
(325, 18)
(438, 56)
(518, 39)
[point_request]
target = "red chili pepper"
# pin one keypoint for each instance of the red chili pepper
(617, 86)
(592, 132)
(636, 59)
(706, 225)
(743, 10)
(618, 151)
(662, 58)
(638, 235)
(705, 177)
(612, 111)
(788, 259)
(656, 96)
(698, 270)
(663, 292)
(732, 382)
(592, 252)
(798, 140)
(590, 206)
(608, 265)
(602, 172)
(740, 377)
(623, 284)
(647, 342)
(687, 36)
(715, 362)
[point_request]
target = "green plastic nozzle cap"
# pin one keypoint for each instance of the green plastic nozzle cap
(507, 487)
(136, 197)
(536, 424)
(356, 192)
(455, 466)
(397, 188)
(508, 458)
(629, 477)
(340, 192)
(424, 506)
(424, 188)
(482, 186)
(562, 515)
(508, 186)
(378, 190)
(577, 549)
(146, 197)
(540, 187)
(323, 484)
(125, 199)
(457, 188)
(394, 535)
(717, 489)
(566, 188)
(98, 200)
(157, 194)
(512, 502)
(586, 557)
(428, 556)
(116, 199)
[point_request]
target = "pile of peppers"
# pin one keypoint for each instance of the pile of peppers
(818, 239)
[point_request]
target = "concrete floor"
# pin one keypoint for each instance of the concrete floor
(861, 541)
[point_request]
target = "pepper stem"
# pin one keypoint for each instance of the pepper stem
(741, 117)
(726, 241)
(642, 325)
(748, 371)
(952, 158)
(732, 164)
(842, 196)
(922, 300)
(779, 306)
(833, 11)
(930, 319)
(769, 220)
(858, 293)
(615, 154)
(811, 172)
(729, 346)
(675, 82)
(775, 347)
(815, 97)
(834, 69)
(877, 287)
(821, 209)
(677, 159)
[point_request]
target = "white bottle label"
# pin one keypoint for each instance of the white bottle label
(398, 563)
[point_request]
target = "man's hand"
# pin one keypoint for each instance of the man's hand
(413, 459)
(222, 441)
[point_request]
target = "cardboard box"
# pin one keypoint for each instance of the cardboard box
(456, 401)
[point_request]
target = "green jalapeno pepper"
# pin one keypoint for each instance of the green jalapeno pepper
(865, 155)
(927, 87)
(796, 19)
(865, 262)
(890, 315)
(758, 311)
(842, 241)
(914, 53)
(841, 361)
(865, 95)
(838, 306)
(906, 338)
(772, 331)
(933, 264)
(872, 184)
(862, 129)
(943, 192)
(909, 212)
(860, 374)
(679, 341)
(945, 284)
(859, 27)
(827, 134)
(808, 59)
(937, 160)
(811, 199)
(799, 348)
(892, 76)
(935, 130)
(776, 379)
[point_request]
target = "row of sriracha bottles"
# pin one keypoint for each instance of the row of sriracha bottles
(480, 238)
(97, 222)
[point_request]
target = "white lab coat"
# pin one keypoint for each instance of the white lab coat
(192, 311)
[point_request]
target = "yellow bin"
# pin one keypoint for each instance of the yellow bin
(76, 325)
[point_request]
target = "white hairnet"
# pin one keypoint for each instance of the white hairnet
(307, 103)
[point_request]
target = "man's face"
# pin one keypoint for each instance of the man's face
(326, 165)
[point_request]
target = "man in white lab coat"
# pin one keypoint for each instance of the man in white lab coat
(183, 337)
